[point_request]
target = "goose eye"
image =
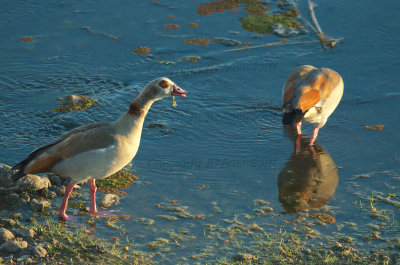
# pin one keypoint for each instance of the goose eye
(163, 84)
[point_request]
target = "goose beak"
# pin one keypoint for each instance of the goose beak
(177, 91)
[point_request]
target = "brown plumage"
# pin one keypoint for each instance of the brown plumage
(311, 94)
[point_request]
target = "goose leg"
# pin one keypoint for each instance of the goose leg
(93, 189)
(64, 204)
(298, 128)
(314, 136)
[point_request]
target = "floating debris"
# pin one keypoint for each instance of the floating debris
(261, 202)
(193, 25)
(142, 50)
(192, 59)
(171, 26)
(168, 217)
(170, 17)
(26, 38)
(198, 41)
(323, 217)
(378, 127)
(146, 221)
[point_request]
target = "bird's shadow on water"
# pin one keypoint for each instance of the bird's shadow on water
(309, 178)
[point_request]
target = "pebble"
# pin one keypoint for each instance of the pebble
(33, 183)
(55, 180)
(25, 232)
(25, 258)
(109, 200)
(5, 235)
(39, 251)
(39, 205)
(7, 222)
(13, 246)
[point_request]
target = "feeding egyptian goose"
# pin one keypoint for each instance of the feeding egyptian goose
(311, 94)
(97, 150)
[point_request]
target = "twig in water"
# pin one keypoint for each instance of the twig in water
(324, 39)
(277, 44)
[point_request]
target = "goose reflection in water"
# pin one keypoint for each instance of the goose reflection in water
(309, 179)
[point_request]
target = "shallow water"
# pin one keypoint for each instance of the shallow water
(224, 145)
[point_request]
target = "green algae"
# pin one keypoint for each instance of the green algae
(263, 24)
(82, 103)
(116, 182)
(252, 7)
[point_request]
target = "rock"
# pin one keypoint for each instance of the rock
(25, 232)
(25, 258)
(55, 180)
(13, 246)
(5, 235)
(33, 183)
(5, 175)
(39, 251)
(108, 200)
(25, 198)
(285, 32)
(13, 198)
(39, 205)
(7, 222)
(4, 191)
(16, 215)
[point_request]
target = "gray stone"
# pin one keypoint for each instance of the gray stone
(5, 235)
(39, 251)
(7, 222)
(55, 180)
(108, 200)
(25, 258)
(5, 175)
(39, 205)
(4, 191)
(33, 183)
(25, 198)
(13, 246)
(25, 232)
(13, 198)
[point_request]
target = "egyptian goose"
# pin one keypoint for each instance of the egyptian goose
(311, 94)
(97, 150)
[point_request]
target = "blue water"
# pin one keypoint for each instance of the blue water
(227, 134)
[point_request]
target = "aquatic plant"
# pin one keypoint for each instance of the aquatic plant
(74, 103)
(263, 24)
(198, 41)
(171, 26)
(252, 7)
(142, 50)
(116, 182)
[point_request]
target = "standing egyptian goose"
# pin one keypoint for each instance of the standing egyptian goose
(311, 94)
(97, 150)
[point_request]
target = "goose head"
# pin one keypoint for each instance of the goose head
(162, 88)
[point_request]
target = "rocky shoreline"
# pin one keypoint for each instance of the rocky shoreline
(20, 203)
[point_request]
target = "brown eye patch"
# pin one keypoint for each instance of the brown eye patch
(163, 84)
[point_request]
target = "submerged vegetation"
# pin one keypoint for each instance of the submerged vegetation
(256, 21)
(263, 24)
(74, 103)
(116, 182)
(142, 50)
